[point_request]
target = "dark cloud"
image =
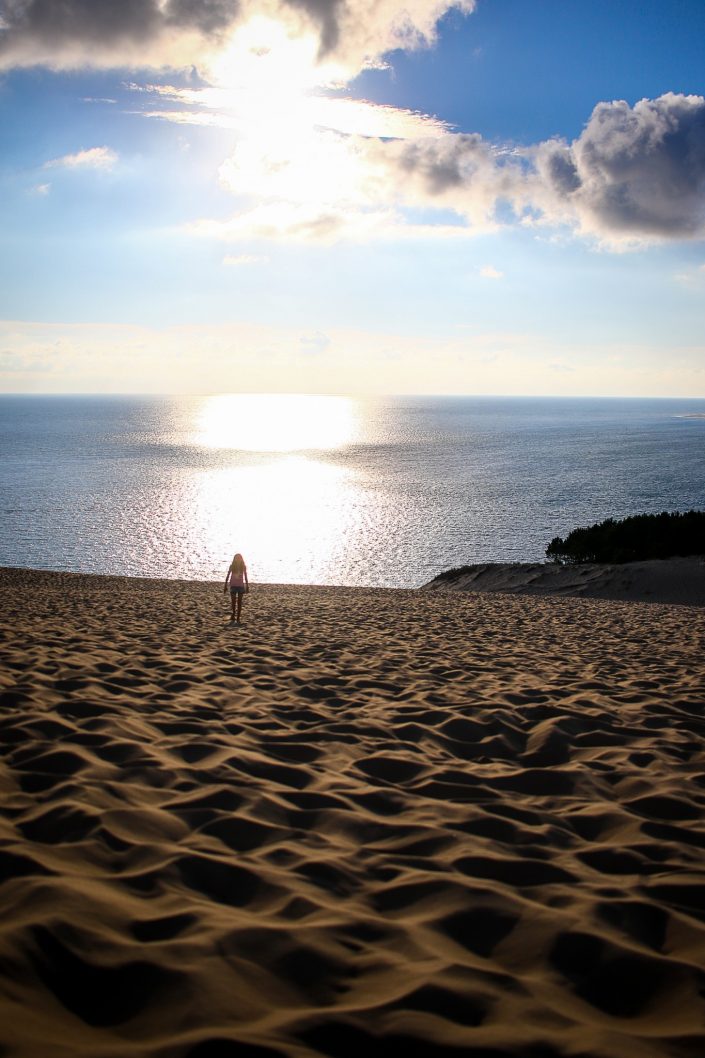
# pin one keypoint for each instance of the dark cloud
(642, 169)
(60, 33)
(326, 14)
(456, 171)
(52, 32)
(635, 173)
(558, 168)
(55, 23)
(446, 163)
(207, 16)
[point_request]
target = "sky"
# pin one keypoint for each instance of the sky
(353, 196)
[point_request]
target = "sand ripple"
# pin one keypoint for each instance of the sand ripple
(367, 821)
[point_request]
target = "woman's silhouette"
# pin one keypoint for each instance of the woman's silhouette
(237, 576)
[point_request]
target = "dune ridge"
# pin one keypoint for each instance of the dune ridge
(366, 821)
(676, 581)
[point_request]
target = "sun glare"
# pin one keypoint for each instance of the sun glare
(290, 517)
(270, 61)
(286, 150)
(275, 422)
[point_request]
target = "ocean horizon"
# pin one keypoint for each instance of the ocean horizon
(382, 492)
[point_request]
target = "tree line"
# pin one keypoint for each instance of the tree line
(633, 539)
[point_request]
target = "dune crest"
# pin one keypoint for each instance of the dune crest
(367, 821)
(676, 581)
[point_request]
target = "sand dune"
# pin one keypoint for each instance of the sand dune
(674, 580)
(367, 822)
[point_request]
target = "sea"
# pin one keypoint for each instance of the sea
(382, 492)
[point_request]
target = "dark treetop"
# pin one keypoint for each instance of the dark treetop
(634, 539)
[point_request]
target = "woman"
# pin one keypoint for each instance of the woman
(237, 576)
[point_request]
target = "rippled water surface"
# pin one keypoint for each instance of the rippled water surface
(329, 490)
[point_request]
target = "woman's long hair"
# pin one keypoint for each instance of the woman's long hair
(238, 563)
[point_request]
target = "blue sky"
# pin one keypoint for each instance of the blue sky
(198, 198)
(527, 69)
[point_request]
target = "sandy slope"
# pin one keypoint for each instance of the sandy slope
(364, 821)
(674, 580)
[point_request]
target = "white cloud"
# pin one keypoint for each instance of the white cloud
(93, 158)
(635, 175)
(359, 117)
(490, 272)
(459, 172)
(316, 185)
(692, 277)
(293, 222)
(238, 260)
(314, 344)
(561, 367)
(231, 108)
(287, 221)
(192, 117)
(42, 190)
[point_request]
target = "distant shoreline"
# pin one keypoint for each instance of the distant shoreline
(679, 581)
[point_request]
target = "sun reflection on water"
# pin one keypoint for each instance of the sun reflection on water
(291, 514)
(275, 422)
